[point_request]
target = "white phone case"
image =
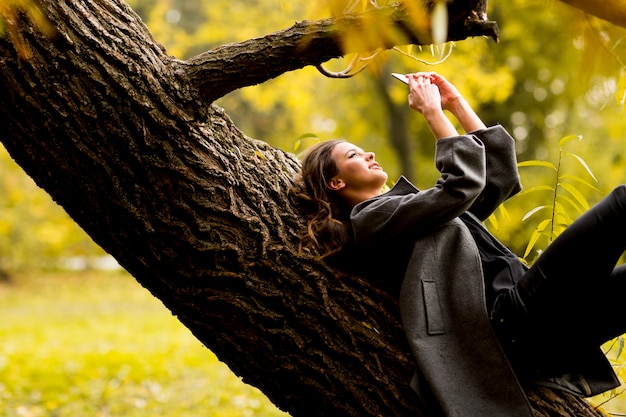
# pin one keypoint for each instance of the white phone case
(400, 77)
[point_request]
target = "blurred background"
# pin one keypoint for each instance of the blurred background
(81, 337)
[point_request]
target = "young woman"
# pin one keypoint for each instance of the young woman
(478, 321)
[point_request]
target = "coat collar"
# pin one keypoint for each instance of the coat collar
(402, 187)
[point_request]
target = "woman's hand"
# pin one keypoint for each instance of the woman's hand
(449, 94)
(424, 96)
(455, 103)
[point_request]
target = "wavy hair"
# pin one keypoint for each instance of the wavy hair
(328, 215)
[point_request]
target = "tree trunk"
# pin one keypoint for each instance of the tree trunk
(126, 139)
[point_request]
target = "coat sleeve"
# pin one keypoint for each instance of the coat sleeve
(461, 161)
(502, 175)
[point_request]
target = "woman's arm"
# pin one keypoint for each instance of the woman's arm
(424, 97)
(502, 176)
(398, 215)
(456, 104)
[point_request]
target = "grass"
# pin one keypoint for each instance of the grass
(98, 344)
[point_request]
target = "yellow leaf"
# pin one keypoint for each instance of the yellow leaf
(536, 234)
(536, 163)
(576, 194)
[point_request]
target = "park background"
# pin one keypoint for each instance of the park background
(81, 337)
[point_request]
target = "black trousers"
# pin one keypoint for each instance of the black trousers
(572, 298)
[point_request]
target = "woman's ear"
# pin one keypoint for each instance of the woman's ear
(336, 184)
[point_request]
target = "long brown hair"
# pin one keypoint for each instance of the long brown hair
(328, 222)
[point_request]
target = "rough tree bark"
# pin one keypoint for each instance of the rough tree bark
(127, 140)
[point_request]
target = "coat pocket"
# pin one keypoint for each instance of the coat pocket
(432, 306)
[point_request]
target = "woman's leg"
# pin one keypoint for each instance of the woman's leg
(569, 288)
(602, 315)
(581, 259)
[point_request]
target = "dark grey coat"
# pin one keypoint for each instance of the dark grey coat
(461, 366)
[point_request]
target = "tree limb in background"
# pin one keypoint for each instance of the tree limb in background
(613, 11)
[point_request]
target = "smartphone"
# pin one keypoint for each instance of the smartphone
(400, 77)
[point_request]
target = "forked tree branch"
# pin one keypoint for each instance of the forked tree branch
(233, 66)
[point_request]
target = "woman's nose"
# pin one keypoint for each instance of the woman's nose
(370, 156)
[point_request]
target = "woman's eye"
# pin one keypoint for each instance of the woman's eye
(352, 155)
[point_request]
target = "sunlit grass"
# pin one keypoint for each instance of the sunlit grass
(98, 344)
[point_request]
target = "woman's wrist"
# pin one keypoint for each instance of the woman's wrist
(439, 124)
(467, 117)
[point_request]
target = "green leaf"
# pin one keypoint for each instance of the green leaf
(536, 189)
(493, 220)
(571, 202)
(579, 180)
(536, 163)
(583, 163)
(533, 211)
(566, 139)
(504, 212)
(576, 194)
(305, 141)
(536, 235)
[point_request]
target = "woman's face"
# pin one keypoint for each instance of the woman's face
(358, 170)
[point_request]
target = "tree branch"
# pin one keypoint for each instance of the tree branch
(230, 67)
(613, 11)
